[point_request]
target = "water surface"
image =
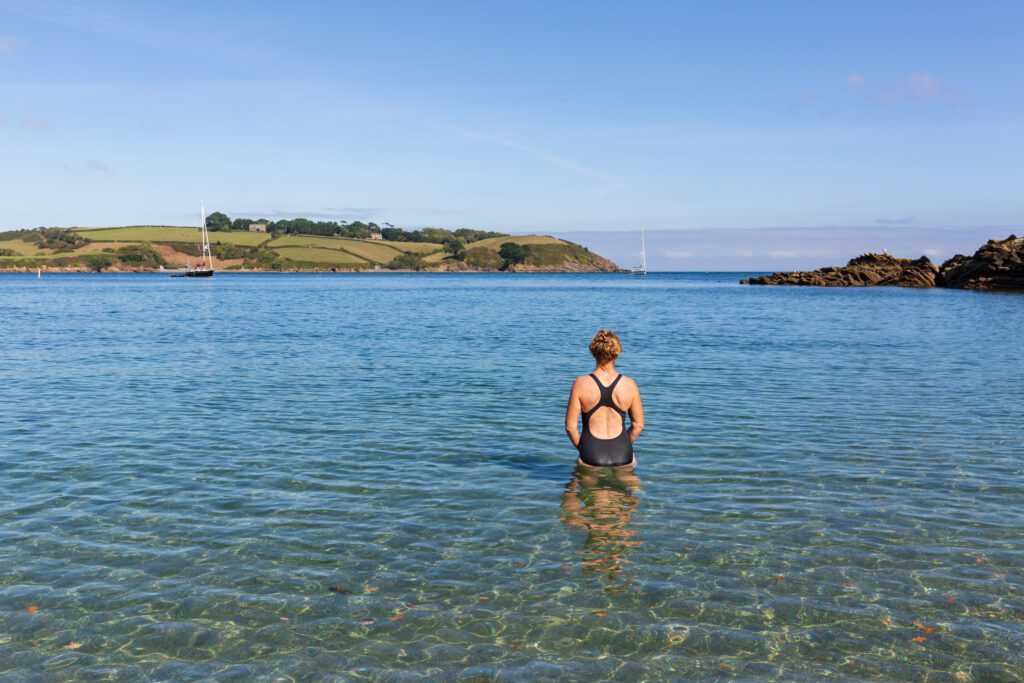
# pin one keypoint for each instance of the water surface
(365, 476)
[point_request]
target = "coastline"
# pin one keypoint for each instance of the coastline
(166, 249)
(312, 271)
(996, 265)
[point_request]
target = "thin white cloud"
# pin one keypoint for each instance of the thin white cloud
(327, 213)
(128, 24)
(86, 16)
(903, 220)
(609, 183)
(8, 44)
(920, 87)
(924, 86)
(346, 213)
(36, 123)
(97, 165)
(854, 80)
(801, 101)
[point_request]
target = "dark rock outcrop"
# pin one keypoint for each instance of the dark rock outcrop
(864, 271)
(999, 264)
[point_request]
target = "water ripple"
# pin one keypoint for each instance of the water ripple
(365, 478)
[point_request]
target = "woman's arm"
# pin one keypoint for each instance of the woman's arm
(572, 415)
(636, 415)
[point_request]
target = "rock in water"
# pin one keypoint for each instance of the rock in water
(999, 264)
(864, 271)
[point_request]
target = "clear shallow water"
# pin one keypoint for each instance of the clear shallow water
(365, 477)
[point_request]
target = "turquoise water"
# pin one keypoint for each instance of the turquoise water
(365, 477)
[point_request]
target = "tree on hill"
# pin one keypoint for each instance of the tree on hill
(513, 254)
(407, 261)
(471, 235)
(100, 262)
(141, 254)
(355, 229)
(218, 221)
(58, 239)
(457, 248)
(393, 234)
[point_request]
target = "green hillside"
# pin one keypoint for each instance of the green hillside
(140, 248)
(151, 233)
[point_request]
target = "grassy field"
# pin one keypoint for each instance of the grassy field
(359, 251)
(367, 250)
(44, 257)
(21, 246)
(418, 247)
(379, 251)
(496, 242)
(333, 257)
(149, 233)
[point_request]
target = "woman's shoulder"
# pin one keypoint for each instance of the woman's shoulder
(628, 382)
(582, 379)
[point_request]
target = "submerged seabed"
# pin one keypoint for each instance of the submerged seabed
(260, 477)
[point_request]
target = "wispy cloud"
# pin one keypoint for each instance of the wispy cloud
(8, 44)
(36, 123)
(905, 220)
(349, 213)
(854, 80)
(126, 23)
(86, 16)
(327, 213)
(916, 87)
(608, 183)
(924, 86)
(801, 101)
(97, 165)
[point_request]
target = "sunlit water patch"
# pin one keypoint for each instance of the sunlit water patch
(365, 477)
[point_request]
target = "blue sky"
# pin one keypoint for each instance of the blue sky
(525, 116)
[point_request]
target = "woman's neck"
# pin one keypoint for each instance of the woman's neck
(607, 368)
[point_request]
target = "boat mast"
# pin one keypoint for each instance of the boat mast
(643, 251)
(207, 258)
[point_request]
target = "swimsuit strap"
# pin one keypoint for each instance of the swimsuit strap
(606, 395)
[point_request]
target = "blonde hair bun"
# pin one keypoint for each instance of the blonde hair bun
(605, 346)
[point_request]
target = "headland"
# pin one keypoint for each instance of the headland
(283, 248)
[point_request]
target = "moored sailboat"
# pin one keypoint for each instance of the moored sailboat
(205, 266)
(642, 268)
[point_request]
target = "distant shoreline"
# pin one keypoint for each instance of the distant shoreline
(163, 248)
(382, 271)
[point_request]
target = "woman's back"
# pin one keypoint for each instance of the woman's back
(603, 399)
(605, 421)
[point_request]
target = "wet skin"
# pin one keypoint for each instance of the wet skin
(605, 422)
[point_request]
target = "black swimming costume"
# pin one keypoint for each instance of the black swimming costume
(605, 452)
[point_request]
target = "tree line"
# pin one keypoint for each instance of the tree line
(355, 229)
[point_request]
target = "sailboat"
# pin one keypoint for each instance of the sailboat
(205, 267)
(642, 268)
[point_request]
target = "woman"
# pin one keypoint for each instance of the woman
(603, 398)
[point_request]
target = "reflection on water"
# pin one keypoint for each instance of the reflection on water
(601, 501)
